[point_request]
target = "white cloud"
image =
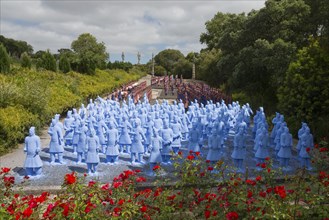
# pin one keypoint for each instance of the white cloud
(130, 26)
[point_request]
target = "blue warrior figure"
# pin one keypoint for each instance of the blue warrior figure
(124, 139)
(112, 150)
(92, 157)
(167, 137)
(177, 132)
(81, 146)
(214, 152)
(148, 134)
(75, 126)
(262, 151)
(194, 137)
(101, 128)
(285, 150)
(32, 147)
(137, 148)
(155, 148)
(56, 142)
(68, 121)
(239, 152)
(306, 145)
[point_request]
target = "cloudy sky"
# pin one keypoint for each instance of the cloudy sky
(147, 26)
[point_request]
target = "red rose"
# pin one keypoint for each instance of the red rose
(267, 158)
(207, 214)
(308, 149)
(156, 167)
(91, 183)
(190, 157)
(197, 153)
(232, 216)
(70, 178)
(263, 165)
(141, 179)
(210, 168)
(27, 212)
(262, 194)
(258, 178)
(323, 149)
(143, 209)
(4, 170)
(207, 161)
(180, 153)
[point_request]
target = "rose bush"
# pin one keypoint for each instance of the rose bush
(199, 190)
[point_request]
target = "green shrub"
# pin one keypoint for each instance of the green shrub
(14, 124)
(4, 60)
(64, 64)
(26, 61)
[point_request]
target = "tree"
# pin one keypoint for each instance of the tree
(4, 60)
(14, 47)
(47, 62)
(168, 58)
(89, 54)
(304, 94)
(183, 67)
(26, 61)
(64, 64)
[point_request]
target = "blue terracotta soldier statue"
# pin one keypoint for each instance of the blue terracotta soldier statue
(112, 150)
(306, 146)
(56, 142)
(32, 147)
(214, 152)
(155, 147)
(68, 129)
(137, 147)
(262, 151)
(285, 150)
(124, 139)
(82, 141)
(92, 157)
(239, 152)
(177, 132)
(167, 136)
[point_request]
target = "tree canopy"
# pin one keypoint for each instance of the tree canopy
(89, 54)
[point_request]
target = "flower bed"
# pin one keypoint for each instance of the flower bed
(203, 191)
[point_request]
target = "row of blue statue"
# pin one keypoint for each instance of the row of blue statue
(157, 131)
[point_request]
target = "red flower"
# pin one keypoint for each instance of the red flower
(202, 174)
(197, 153)
(171, 198)
(180, 153)
(250, 182)
(207, 214)
(268, 170)
(316, 145)
(214, 213)
(322, 175)
(232, 216)
(70, 178)
(8, 180)
(191, 152)
(27, 212)
(210, 168)
(4, 170)
(280, 190)
(323, 149)
(269, 190)
(308, 149)
(249, 195)
(262, 194)
(156, 167)
(141, 179)
(137, 171)
(207, 161)
(143, 209)
(263, 165)
(267, 158)
(121, 201)
(190, 157)
(258, 178)
(26, 177)
(91, 183)
(117, 184)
